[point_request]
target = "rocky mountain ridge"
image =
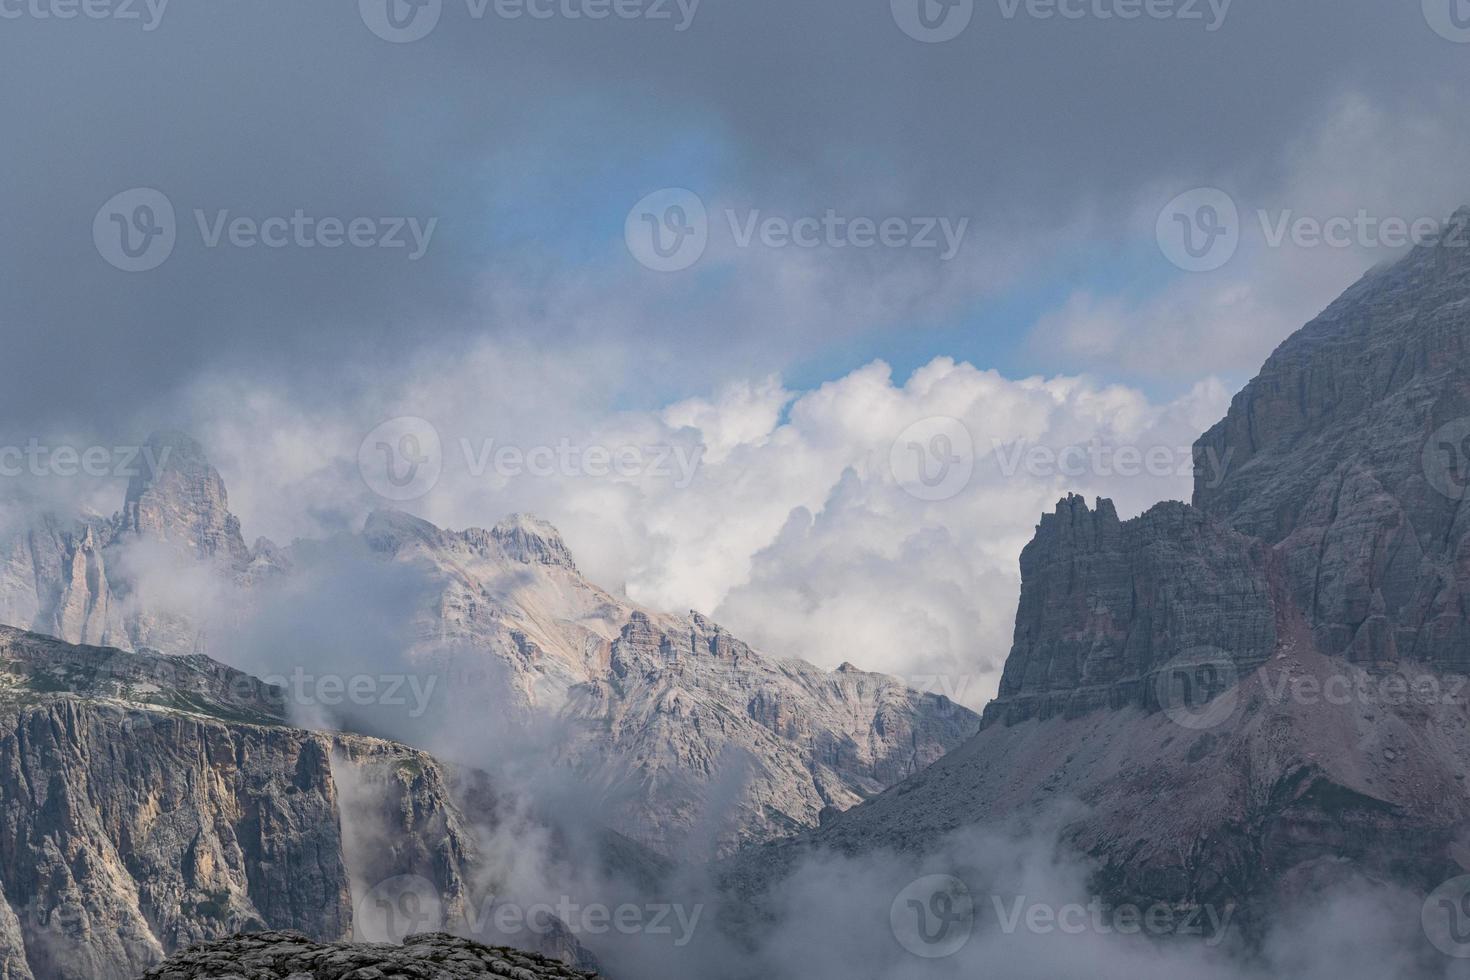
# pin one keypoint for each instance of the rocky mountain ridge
(1239, 702)
(657, 711)
(696, 743)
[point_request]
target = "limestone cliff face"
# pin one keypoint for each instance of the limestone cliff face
(148, 803)
(1338, 497)
(181, 502)
(1105, 604)
(124, 836)
(1350, 454)
(98, 580)
(54, 579)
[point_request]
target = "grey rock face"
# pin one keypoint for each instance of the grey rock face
(532, 541)
(1349, 455)
(1106, 604)
(1285, 796)
(183, 503)
(148, 803)
(79, 580)
(284, 956)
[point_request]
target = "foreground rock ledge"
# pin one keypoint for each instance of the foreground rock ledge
(283, 955)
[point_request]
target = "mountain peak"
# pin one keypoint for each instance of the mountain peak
(389, 530)
(532, 541)
(178, 497)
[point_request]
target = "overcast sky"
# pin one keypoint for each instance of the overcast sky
(988, 240)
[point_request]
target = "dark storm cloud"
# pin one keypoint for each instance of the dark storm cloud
(528, 140)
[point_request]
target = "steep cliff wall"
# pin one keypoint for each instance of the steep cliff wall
(147, 803)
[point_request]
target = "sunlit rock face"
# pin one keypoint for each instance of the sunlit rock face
(696, 742)
(150, 803)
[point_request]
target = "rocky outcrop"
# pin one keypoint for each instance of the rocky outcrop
(149, 803)
(283, 956)
(53, 579)
(1106, 604)
(696, 743)
(181, 502)
(532, 541)
(116, 582)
